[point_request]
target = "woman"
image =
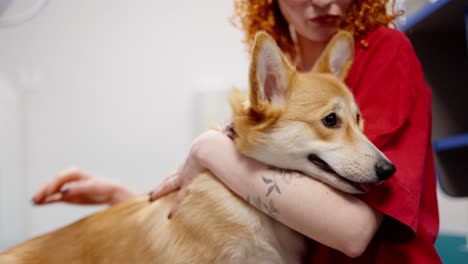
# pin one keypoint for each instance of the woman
(397, 220)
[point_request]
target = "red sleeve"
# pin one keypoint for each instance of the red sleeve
(389, 87)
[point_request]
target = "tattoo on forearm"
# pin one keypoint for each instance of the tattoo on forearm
(269, 207)
(273, 184)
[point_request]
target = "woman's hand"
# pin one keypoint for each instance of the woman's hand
(78, 187)
(184, 175)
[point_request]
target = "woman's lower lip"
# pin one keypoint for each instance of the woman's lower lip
(325, 20)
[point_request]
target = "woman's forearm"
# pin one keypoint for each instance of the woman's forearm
(333, 218)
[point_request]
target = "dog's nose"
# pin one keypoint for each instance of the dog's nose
(384, 170)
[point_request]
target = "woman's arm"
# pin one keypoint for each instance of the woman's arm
(333, 218)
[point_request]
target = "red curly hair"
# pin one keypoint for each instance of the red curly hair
(362, 17)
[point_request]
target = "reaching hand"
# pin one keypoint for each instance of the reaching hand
(78, 187)
(184, 175)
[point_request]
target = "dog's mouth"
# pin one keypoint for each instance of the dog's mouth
(327, 168)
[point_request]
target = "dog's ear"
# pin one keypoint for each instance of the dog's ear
(269, 75)
(338, 56)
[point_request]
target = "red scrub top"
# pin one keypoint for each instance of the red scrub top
(388, 83)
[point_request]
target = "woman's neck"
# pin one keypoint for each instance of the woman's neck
(309, 52)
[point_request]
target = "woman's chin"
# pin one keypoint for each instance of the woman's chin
(320, 34)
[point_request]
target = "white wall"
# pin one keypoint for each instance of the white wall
(453, 214)
(13, 201)
(109, 86)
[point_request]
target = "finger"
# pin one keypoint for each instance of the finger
(54, 185)
(86, 192)
(170, 184)
(57, 197)
(65, 195)
(178, 201)
(161, 190)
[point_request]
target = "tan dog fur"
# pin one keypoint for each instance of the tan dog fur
(213, 225)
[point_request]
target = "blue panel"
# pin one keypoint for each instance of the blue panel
(422, 14)
(449, 143)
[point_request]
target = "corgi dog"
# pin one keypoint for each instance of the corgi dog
(301, 121)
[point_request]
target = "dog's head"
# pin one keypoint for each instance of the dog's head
(307, 122)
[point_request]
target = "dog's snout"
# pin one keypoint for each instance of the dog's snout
(384, 170)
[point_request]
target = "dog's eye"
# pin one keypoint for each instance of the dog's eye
(358, 118)
(330, 120)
